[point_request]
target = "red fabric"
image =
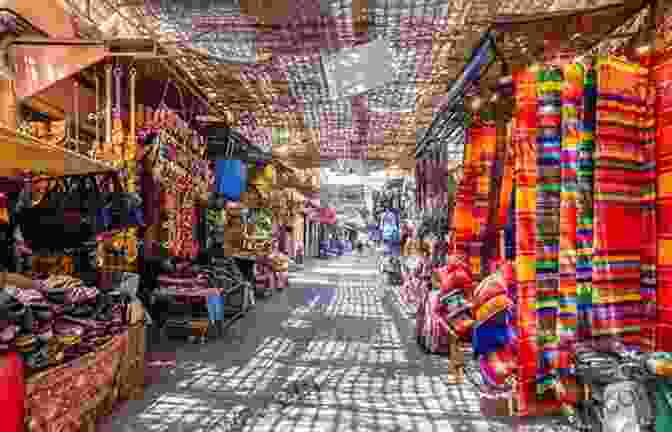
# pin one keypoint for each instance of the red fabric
(12, 392)
(664, 337)
(327, 216)
(619, 239)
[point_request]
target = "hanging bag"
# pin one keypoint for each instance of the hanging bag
(121, 209)
(56, 221)
(231, 178)
(84, 195)
(219, 145)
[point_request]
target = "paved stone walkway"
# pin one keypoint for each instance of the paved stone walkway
(335, 325)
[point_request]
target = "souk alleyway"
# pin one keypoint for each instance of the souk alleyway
(336, 325)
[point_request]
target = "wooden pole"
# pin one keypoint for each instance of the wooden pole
(108, 103)
(75, 109)
(133, 107)
(97, 113)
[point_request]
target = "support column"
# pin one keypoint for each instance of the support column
(108, 103)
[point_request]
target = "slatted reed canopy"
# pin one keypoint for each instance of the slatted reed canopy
(261, 69)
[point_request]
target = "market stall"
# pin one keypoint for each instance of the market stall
(78, 340)
(549, 188)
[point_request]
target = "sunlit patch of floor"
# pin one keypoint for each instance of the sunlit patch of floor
(183, 412)
(353, 352)
(245, 380)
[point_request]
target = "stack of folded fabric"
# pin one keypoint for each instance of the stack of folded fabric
(70, 336)
(183, 287)
(15, 324)
(61, 319)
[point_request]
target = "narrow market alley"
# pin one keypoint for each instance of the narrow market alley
(336, 326)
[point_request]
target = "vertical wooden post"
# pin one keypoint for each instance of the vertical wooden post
(75, 109)
(97, 113)
(108, 103)
(133, 107)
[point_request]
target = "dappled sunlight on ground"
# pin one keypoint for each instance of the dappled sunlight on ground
(350, 335)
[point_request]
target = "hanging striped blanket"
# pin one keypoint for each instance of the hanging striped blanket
(620, 301)
(463, 213)
(505, 201)
(549, 87)
(584, 203)
(524, 143)
(663, 79)
(483, 141)
(649, 226)
(572, 125)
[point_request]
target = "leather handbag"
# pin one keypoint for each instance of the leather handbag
(58, 221)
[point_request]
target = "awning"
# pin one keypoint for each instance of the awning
(39, 67)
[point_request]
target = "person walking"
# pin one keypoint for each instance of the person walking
(360, 248)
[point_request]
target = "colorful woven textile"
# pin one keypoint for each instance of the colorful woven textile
(505, 200)
(572, 126)
(662, 76)
(483, 140)
(549, 85)
(621, 303)
(524, 143)
(648, 247)
(584, 208)
(463, 213)
(510, 228)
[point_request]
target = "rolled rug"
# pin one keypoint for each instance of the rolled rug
(69, 341)
(81, 294)
(66, 328)
(8, 333)
(29, 296)
(25, 343)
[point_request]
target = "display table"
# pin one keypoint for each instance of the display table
(73, 396)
